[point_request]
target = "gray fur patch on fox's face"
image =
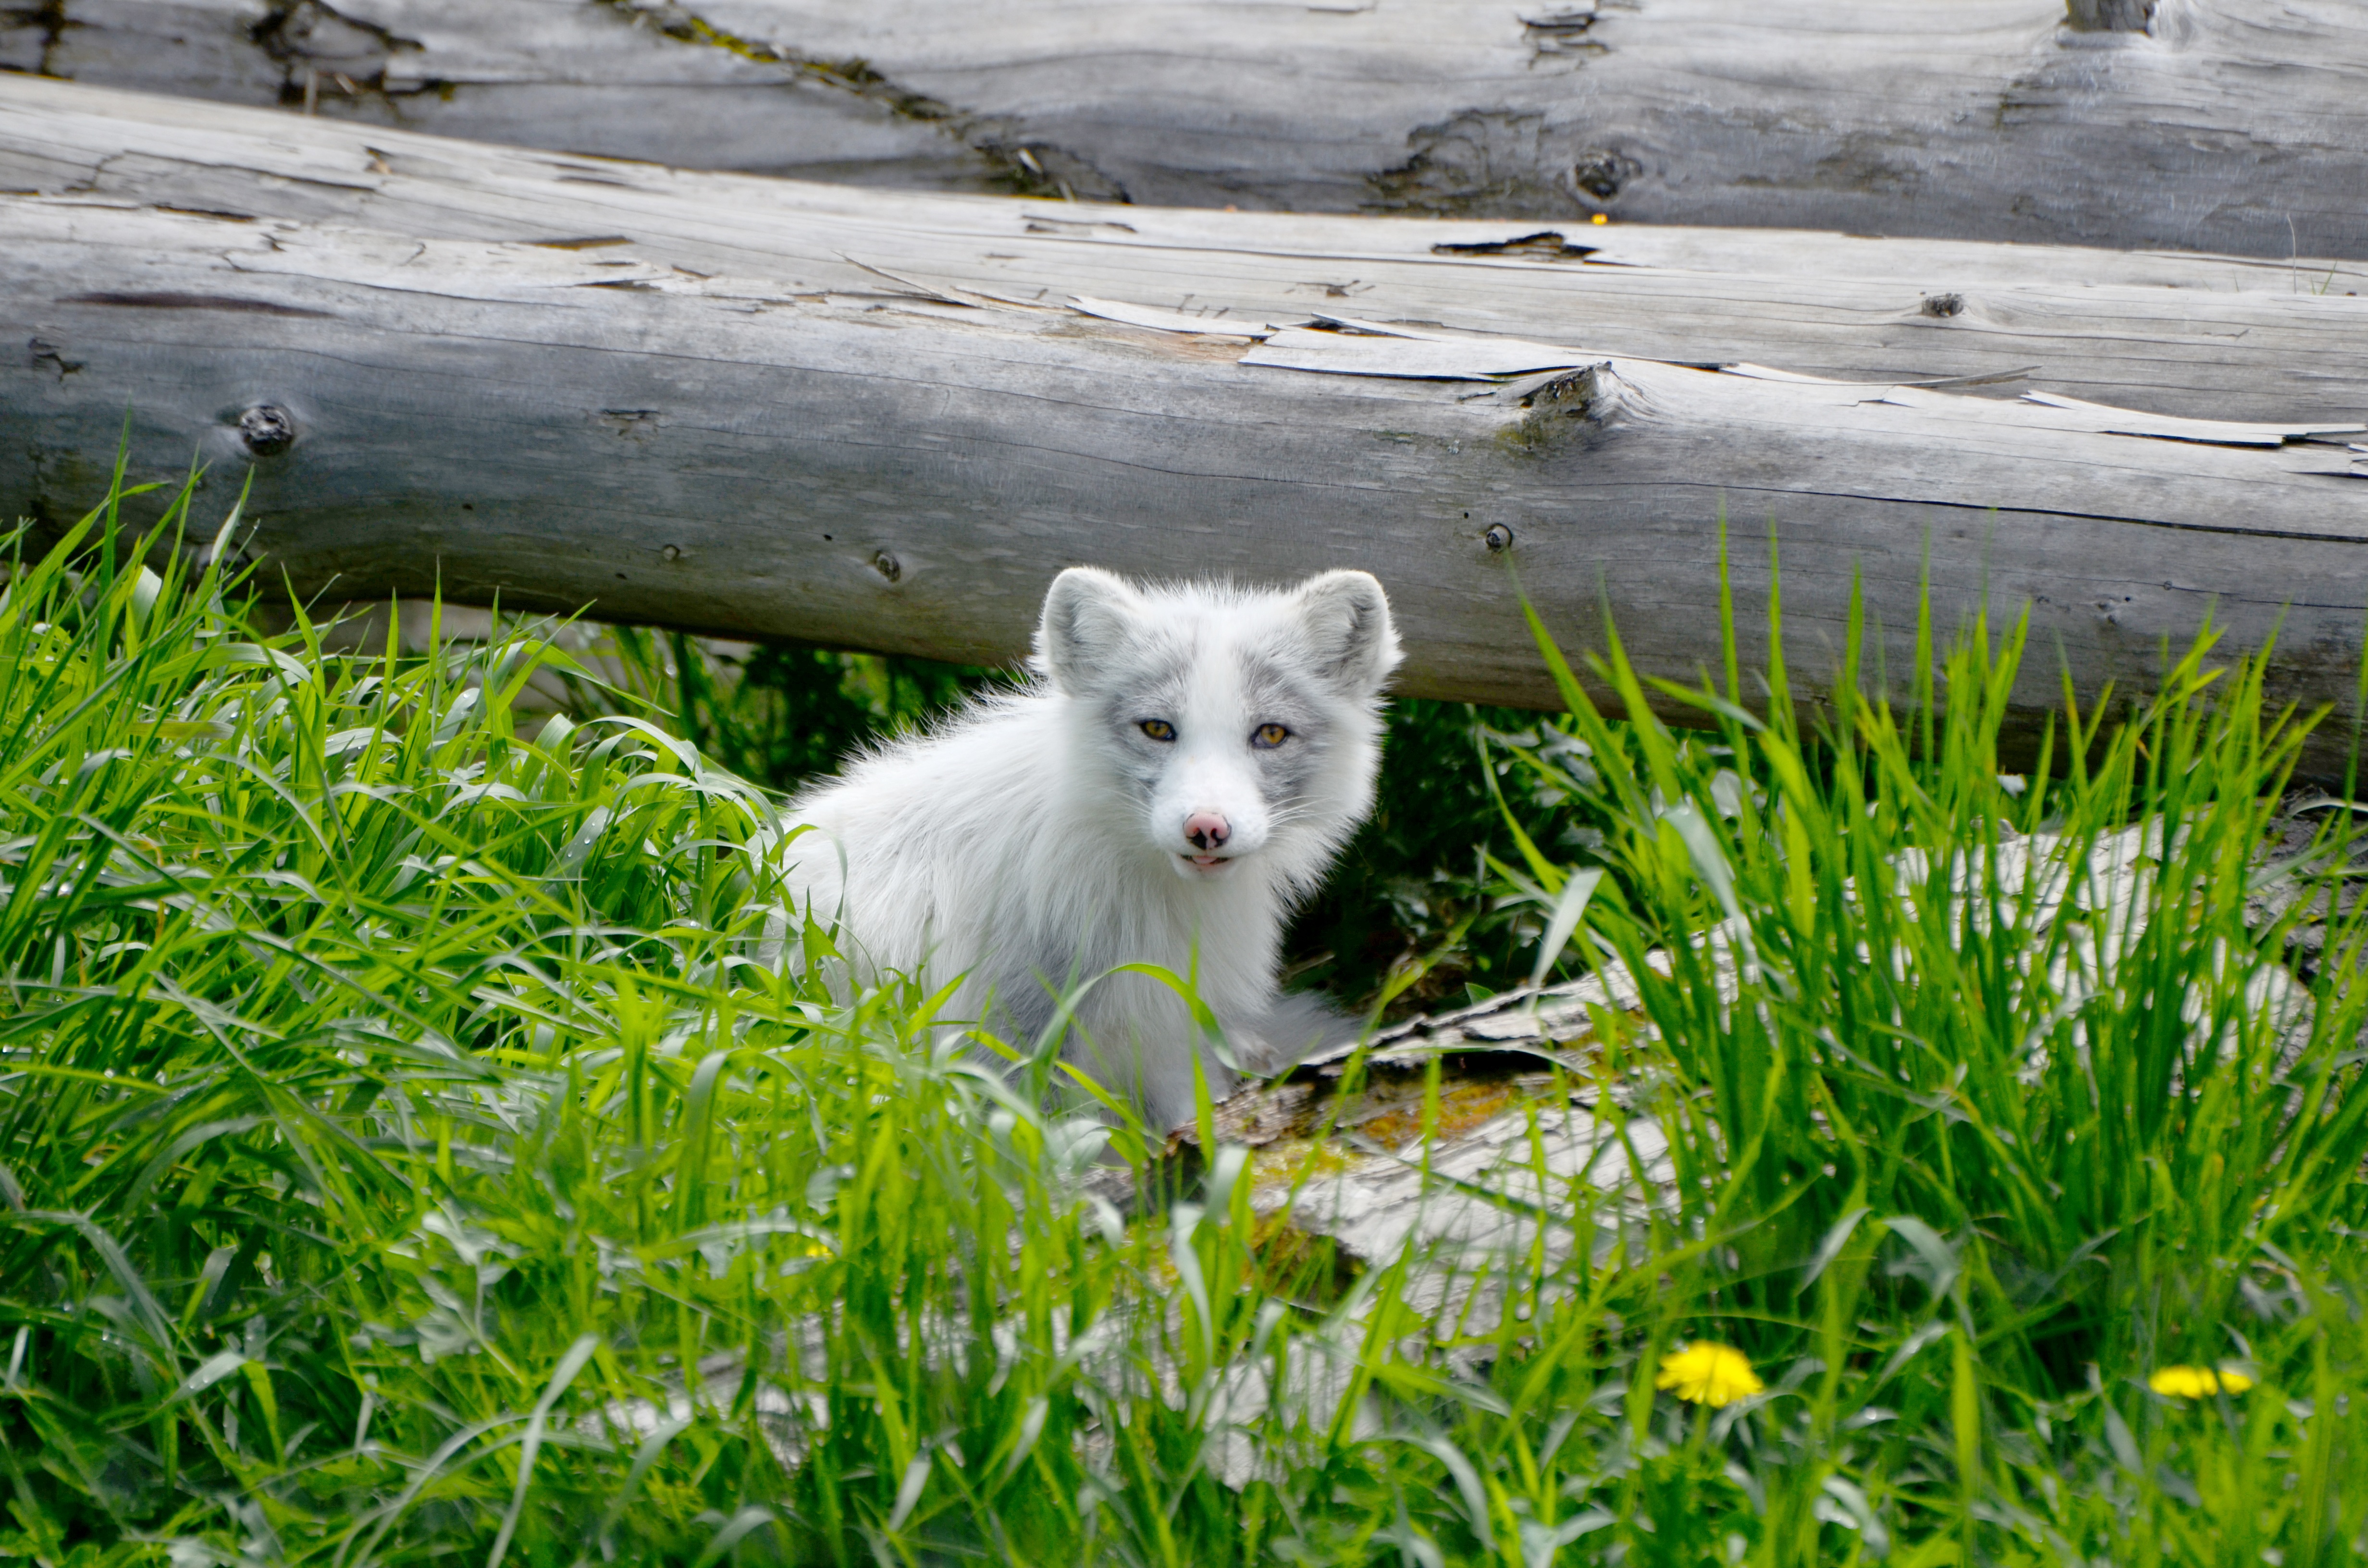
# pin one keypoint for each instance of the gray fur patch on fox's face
(1238, 723)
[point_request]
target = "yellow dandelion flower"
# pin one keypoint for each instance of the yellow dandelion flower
(1703, 1373)
(2197, 1382)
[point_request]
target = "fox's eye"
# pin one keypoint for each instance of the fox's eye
(1270, 737)
(1159, 729)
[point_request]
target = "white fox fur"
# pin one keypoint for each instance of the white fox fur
(1045, 836)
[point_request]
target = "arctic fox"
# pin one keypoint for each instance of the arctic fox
(1184, 767)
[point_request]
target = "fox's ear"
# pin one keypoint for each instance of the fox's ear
(1089, 615)
(1347, 621)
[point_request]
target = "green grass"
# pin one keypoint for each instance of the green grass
(404, 1161)
(778, 713)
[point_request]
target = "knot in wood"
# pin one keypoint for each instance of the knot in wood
(1569, 386)
(1943, 305)
(887, 565)
(2110, 15)
(1600, 173)
(1497, 538)
(1580, 405)
(268, 429)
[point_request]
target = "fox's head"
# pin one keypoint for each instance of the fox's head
(1235, 724)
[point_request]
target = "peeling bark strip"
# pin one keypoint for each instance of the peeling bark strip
(877, 421)
(2228, 125)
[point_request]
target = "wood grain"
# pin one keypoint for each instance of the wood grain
(2201, 335)
(2237, 126)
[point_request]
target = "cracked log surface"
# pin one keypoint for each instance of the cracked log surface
(2234, 125)
(868, 420)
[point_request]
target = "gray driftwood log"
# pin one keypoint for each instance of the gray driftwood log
(2228, 125)
(881, 420)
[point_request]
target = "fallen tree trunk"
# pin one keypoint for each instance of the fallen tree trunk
(2203, 336)
(734, 420)
(2238, 126)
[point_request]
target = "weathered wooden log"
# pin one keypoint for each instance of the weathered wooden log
(794, 411)
(2237, 126)
(2208, 336)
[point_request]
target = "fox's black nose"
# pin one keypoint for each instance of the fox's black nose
(1206, 830)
